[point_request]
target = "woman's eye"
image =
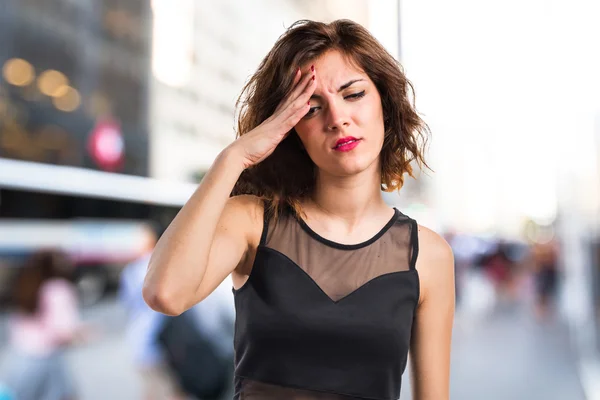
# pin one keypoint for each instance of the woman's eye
(311, 111)
(355, 95)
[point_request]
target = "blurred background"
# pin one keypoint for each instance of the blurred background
(111, 111)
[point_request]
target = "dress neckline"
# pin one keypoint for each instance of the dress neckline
(356, 246)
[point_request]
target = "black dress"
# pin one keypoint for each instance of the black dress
(322, 320)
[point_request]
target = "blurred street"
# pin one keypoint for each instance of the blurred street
(505, 355)
(113, 111)
(509, 356)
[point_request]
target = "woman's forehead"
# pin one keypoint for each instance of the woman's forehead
(334, 69)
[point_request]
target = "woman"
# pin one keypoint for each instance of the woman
(45, 323)
(329, 291)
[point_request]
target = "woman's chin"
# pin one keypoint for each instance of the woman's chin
(349, 168)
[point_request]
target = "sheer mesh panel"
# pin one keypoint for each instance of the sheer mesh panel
(254, 390)
(341, 269)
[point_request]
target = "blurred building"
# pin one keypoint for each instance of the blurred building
(75, 80)
(74, 111)
(202, 55)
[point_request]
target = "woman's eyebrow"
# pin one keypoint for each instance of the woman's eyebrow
(348, 84)
(344, 86)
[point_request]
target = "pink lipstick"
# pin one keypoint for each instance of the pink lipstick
(346, 144)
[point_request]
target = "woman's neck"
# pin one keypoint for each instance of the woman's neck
(350, 200)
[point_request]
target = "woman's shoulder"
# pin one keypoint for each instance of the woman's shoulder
(248, 204)
(246, 212)
(432, 245)
(435, 262)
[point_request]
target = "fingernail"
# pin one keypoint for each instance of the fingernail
(313, 78)
(312, 67)
(308, 102)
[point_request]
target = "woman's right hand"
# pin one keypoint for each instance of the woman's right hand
(261, 141)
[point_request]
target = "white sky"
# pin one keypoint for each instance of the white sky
(508, 89)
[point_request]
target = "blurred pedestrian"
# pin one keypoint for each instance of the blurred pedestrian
(199, 346)
(144, 327)
(45, 323)
(502, 271)
(544, 256)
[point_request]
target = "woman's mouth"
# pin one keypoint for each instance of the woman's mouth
(346, 144)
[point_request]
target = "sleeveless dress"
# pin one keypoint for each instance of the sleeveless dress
(322, 320)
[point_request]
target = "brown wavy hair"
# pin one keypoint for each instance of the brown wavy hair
(288, 175)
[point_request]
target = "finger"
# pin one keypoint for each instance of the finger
(301, 86)
(293, 118)
(304, 95)
(301, 100)
(297, 77)
(283, 102)
(298, 109)
(298, 90)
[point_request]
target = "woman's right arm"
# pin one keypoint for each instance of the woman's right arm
(178, 276)
(213, 234)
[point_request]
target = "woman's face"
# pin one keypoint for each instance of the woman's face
(343, 131)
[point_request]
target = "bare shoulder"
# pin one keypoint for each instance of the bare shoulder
(244, 212)
(244, 215)
(247, 204)
(432, 246)
(435, 262)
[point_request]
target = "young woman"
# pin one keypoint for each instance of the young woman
(332, 286)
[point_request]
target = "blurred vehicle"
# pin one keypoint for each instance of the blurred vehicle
(97, 218)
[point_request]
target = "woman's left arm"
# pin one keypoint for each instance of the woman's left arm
(432, 328)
